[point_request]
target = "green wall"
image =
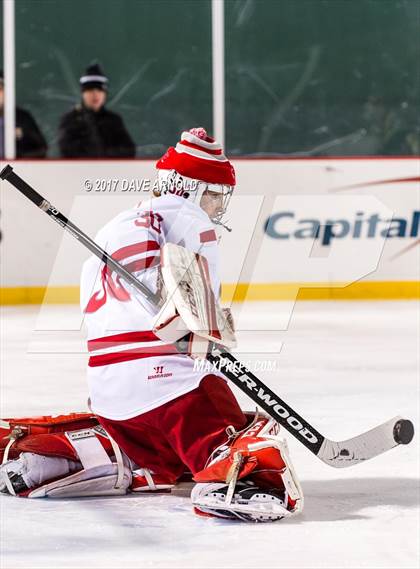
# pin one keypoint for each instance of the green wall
(323, 76)
(303, 77)
(155, 52)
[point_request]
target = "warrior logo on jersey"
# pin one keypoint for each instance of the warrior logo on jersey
(159, 373)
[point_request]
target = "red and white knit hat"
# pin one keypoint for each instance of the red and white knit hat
(200, 157)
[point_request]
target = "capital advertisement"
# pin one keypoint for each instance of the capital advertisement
(305, 228)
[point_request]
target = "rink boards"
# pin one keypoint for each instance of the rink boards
(306, 228)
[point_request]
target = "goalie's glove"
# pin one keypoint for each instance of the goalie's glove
(228, 319)
(191, 306)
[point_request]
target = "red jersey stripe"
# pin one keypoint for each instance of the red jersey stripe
(120, 339)
(207, 236)
(141, 264)
(135, 249)
(129, 355)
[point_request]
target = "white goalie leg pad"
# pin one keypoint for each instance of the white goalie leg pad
(34, 469)
(96, 481)
(54, 477)
(99, 475)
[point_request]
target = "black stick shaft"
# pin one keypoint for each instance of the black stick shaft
(246, 381)
(219, 357)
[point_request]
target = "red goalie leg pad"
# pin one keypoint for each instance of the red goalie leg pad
(249, 478)
(55, 444)
(250, 456)
(41, 435)
(53, 423)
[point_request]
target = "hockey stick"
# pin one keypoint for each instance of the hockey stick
(339, 454)
(20, 184)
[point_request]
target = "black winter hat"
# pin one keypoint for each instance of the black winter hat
(94, 78)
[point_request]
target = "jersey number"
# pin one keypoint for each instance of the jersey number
(150, 219)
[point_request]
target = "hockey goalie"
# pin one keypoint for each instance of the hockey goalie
(155, 415)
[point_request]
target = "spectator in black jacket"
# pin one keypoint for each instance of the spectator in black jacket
(90, 130)
(29, 140)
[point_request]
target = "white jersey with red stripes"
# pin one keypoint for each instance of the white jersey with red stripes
(130, 370)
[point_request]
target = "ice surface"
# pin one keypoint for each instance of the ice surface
(346, 366)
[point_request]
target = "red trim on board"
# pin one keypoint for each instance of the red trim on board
(378, 183)
(318, 158)
(52, 159)
(406, 249)
(232, 158)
